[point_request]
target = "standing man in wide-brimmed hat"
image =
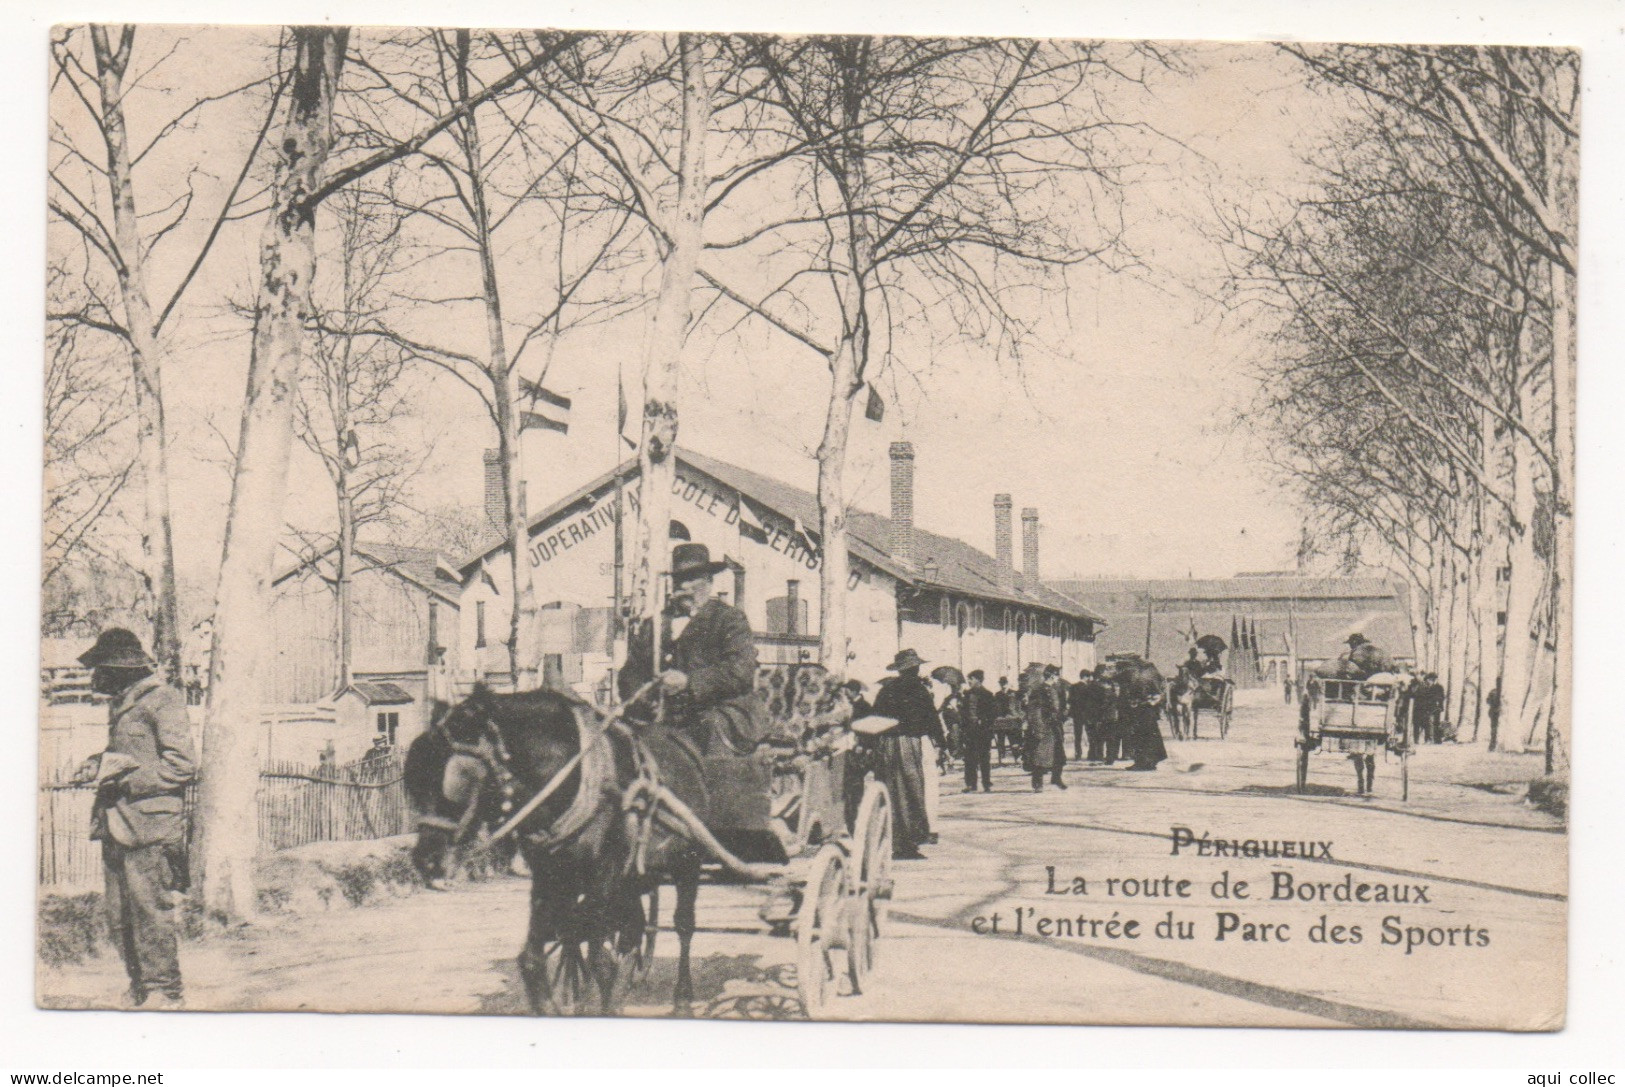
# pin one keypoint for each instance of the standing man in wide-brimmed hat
(138, 813)
(906, 697)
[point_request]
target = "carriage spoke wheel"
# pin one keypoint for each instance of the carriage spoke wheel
(1226, 708)
(568, 981)
(871, 903)
(823, 930)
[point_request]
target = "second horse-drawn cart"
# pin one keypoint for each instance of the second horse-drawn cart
(1358, 718)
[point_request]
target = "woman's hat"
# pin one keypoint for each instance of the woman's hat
(690, 560)
(116, 648)
(907, 658)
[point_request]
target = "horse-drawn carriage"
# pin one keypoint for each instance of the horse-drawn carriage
(1189, 696)
(602, 827)
(1357, 718)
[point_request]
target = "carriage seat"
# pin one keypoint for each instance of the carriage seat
(747, 792)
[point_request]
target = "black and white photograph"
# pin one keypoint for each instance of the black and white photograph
(867, 527)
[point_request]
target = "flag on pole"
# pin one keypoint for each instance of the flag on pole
(750, 521)
(875, 409)
(547, 409)
(808, 538)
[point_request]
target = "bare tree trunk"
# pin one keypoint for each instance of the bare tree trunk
(522, 662)
(1461, 639)
(343, 576)
(1490, 544)
(847, 369)
(230, 769)
(657, 465)
(834, 640)
(147, 354)
(1563, 450)
(1526, 574)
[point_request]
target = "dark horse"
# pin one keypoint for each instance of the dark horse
(594, 846)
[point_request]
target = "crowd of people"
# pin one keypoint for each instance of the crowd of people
(1113, 712)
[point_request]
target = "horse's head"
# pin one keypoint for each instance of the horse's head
(447, 771)
(481, 758)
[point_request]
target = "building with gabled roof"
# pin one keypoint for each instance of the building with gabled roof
(404, 604)
(909, 587)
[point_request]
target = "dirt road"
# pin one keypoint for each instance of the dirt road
(1492, 871)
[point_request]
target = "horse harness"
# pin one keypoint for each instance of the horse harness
(639, 800)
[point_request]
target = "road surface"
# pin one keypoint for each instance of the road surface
(1493, 872)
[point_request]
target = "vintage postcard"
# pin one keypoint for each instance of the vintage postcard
(860, 527)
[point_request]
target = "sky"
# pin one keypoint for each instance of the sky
(1120, 426)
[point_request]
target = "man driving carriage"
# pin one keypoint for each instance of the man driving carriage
(1205, 658)
(1361, 660)
(704, 707)
(707, 662)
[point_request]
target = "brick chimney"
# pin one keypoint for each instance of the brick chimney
(902, 503)
(1029, 548)
(1004, 542)
(496, 510)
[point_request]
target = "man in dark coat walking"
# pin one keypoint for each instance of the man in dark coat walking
(1058, 698)
(1111, 728)
(906, 698)
(1431, 701)
(1004, 706)
(976, 732)
(138, 813)
(1086, 699)
(1042, 709)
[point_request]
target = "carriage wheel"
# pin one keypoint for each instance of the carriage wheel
(872, 895)
(1303, 768)
(823, 930)
(1226, 707)
(566, 979)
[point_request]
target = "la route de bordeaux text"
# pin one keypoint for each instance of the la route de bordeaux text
(1230, 924)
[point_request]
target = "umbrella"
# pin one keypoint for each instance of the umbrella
(947, 673)
(1211, 643)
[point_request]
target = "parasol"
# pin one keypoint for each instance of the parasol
(947, 673)
(1211, 643)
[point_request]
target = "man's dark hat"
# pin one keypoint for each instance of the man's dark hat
(1356, 639)
(976, 675)
(116, 648)
(693, 560)
(906, 658)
